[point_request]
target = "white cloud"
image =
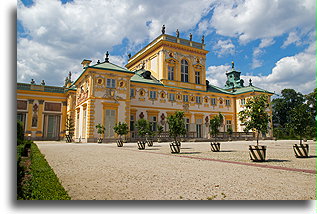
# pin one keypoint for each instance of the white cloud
(254, 19)
(224, 47)
(61, 35)
(292, 38)
(258, 51)
(217, 75)
(297, 72)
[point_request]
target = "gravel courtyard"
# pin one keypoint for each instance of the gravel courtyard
(90, 171)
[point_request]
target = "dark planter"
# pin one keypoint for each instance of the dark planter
(119, 143)
(149, 143)
(99, 140)
(141, 145)
(301, 150)
(257, 153)
(68, 138)
(215, 147)
(175, 147)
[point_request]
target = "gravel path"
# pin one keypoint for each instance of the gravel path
(106, 172)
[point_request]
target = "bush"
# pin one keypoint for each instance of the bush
(20, 132)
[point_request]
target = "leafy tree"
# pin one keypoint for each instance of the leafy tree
(143, 127)
(255, 116)
(121, 129)
(230, 131)
(176, 125)
(215, 124)
(311, 102)
(283, 105)
(100, 129)
(300, 117)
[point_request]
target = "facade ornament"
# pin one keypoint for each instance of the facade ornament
(129, 55)
(163, 29)
(177, 33)
(32, 82)
(107, 57)
(42, 83)
(70, 76)
(98, 62)
(202, 39)
(250, 82)
(66, 81)
(190, 37)
(141, 115)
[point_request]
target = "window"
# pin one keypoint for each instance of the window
(22, 105)
(185, 98)
(184, 71)
(198, 99)
(171, 97)
(152, 94)
(131, 122)
(153, 123)
(228, 124)
(242, 101)
(170, 72)
(213, 101)
(111, 83)
(227, 102)
(197, 77)
(132, 92)
(52, 106)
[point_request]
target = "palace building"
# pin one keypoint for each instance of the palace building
(167, 75)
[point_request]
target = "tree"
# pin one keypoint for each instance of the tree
(283, 105)
(121, 129)
(159, 130)
(215, 124)
(311, 102)
(176, 125)
(100, 129)
(300, 117)
(143, 127)
(255, 116)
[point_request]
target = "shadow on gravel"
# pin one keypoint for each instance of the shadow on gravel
(227, 150)
(189, 153)
(152, 149)
(312, 156)
(186, 148)
(276, 160)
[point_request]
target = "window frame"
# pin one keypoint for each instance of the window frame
(184, 71)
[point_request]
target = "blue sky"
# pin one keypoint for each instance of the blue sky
(272, 42)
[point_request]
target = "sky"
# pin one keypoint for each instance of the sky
(272, 42)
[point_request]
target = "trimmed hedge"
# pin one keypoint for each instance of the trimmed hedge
(44, 183)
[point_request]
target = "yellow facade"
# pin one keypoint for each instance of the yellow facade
(167, 75)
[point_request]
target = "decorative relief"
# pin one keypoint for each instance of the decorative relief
(34, 116)
(186, 107)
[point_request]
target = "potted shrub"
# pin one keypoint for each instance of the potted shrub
(121, 129)
(150, 134)
(159, 132)
(230, 132)
(300, 118)
(255, 117)
(214, 126)
(70, 128)
(143, 128)
(100, 130)
(176, 128)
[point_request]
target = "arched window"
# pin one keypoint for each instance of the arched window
(184, 70)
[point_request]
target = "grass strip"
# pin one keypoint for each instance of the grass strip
(44, 184)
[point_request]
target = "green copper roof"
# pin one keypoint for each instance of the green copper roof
(44, 88)
(110, 66)
(216, 89)
(250, 89)
(139, 78)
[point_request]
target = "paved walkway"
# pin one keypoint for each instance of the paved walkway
(106, 172)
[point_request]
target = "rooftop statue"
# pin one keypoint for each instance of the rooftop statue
(190, 36)
(177, 33)
(163, 29)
